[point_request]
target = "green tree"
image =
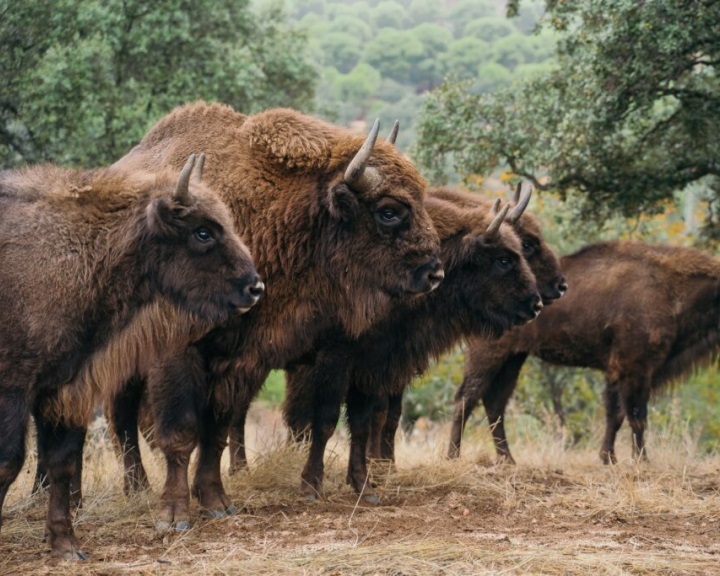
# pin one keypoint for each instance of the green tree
(82, 80)
(465, 56)
(465, 11)
(421, 11)
(340, 50)
(358, 86)
(394, 53)
(390, 14)
(626, 118)
(490, 28)
(431, 68)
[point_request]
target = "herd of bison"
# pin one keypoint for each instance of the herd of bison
(167, 286)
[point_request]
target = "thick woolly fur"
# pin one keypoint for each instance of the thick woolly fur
(326, 260)
(488, 288)
(85, 254)
(101, 273)
(644, 314)
(157, 329)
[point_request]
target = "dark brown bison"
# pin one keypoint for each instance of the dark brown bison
(550, 281)
(338, 230)
(643, 314)
(90, 263)
(488, 288)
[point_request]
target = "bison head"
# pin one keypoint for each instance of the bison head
(487, 274)
(191, 251)
(386, 243)
(543, 261)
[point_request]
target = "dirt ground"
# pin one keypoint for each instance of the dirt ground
(558, 512)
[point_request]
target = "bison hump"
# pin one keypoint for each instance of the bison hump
(290, 140)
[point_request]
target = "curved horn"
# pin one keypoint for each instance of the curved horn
(492, 230)
(393, 133)
(520, 207)
(355, 175)
(495, 206)
(182, 192)
(516, 196)
(199, 167)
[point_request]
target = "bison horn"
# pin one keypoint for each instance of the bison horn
(199, 167)
(492, 230)
(516, 196)
(496, 206)
(393, 133)
(520, 206)
(356, 175)
(182, 192)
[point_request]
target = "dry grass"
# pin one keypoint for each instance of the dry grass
(557, 512)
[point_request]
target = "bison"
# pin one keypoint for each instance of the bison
(336, 226)
(643, 314)
(548, 275)
(92, 264)
(488, 288)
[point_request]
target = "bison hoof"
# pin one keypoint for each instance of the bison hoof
(372, 499)
(71, 555)
(161, 526)
(309, 491)
(218, 514)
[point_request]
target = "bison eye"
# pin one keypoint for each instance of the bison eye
(388, 215)
(389, 212)
(504, 263)
(203, 235)
(528, 247)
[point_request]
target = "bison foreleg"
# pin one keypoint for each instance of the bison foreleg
(62, 446)
(392, 422)
(613, 421)
(208, 486)
(238, 455)
(378, 420)
(13, 425)
(359, 413)
(123, 415)
(635, 407)
(329, 395)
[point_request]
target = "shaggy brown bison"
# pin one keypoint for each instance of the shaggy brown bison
(88, 263)
(488, 288)
(644, 314)
(551, 283)
(337, 228)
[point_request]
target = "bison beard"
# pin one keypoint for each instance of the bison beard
(487, 289)
(643, 314)
(90, 262)
(319, 209)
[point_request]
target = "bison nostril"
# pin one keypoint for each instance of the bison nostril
(537, 307)
(439, 275)
(257, 289)
(562, 287)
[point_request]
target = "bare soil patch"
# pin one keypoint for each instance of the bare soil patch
(557, 512)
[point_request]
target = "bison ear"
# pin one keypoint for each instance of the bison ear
(162, 214)
(342, 203)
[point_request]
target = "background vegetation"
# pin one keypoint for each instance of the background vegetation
(608, 106)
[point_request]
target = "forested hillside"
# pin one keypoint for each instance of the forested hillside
(379, 57)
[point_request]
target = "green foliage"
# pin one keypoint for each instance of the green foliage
(273, 391)
(431, 395)
(82, 81)
(413, 45)
(624, 120)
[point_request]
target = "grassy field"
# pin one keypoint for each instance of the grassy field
(558, 512)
